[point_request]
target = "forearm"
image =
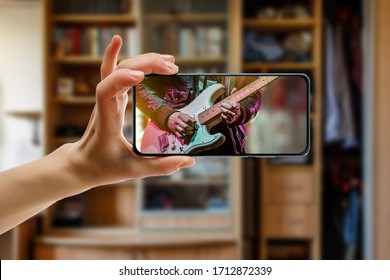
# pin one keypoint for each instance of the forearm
(152, 105)
(28, 189)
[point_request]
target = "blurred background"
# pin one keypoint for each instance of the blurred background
(331, 204)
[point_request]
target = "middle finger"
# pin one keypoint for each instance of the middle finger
(150, 63)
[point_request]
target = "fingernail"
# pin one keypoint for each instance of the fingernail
(186, 164)
(136, 73)
(168, 57)
(171, 65)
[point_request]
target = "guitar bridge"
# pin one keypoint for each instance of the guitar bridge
(163, 141)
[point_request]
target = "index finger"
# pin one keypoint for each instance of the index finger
(110, 57)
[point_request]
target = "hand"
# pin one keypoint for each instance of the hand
(103, 155)
(231, 111)
(180, 124)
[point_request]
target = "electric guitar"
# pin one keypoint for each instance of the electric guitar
(206, 115)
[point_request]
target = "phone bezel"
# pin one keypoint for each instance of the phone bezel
(300, 154)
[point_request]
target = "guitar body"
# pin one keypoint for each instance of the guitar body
(158, 141)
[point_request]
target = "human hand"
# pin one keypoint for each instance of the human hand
(231, 111)
(180, 124)
(103, 155)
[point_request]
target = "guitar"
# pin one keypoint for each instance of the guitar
(206, 115)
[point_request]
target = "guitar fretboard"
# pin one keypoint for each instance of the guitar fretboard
(239, 95)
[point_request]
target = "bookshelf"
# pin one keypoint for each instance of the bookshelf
(197, 35)
(72, 75)
(290, 192)
(120, 221)
(194, 31)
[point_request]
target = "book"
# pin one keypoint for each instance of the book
(76, 38)
(214, 41)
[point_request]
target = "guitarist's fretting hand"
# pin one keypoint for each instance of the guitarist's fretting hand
(231, 111)
(180, 124)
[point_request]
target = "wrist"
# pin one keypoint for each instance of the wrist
(167, 122)
(163, 114)
(74, 167)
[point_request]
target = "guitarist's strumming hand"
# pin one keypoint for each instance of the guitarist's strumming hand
(180, 124)
(231, 111)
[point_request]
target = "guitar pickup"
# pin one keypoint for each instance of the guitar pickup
(163, 141)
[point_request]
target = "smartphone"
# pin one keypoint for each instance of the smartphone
(257, 115)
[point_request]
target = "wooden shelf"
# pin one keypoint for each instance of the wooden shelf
(187, 17)
(127, 237)
(187, 182)
(200, 60)
(78, 59)
(82, 59)
(76, 100)
(278, 66)
(285, 24)
(85, 18)
(82, 100)
(25, 114)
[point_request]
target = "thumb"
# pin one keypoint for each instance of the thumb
(166, 165)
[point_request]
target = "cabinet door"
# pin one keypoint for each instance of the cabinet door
(290, 221)
(290, 187)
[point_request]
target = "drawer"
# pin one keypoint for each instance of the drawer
(295, 221)
(291, 187)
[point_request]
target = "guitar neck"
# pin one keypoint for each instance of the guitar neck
(214, 111)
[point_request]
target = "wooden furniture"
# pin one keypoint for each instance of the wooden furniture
(67, 114)
(113, 222)
(290, 193)
(133, 245)
(381, 160)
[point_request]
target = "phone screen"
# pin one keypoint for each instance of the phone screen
(217, 114)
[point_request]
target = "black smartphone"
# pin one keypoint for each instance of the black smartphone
(263, 115)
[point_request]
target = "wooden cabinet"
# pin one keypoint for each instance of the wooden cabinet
(290, 203)
(74, 43)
